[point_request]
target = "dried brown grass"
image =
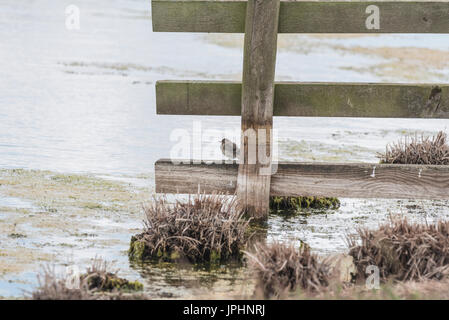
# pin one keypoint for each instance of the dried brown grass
(96, 284)
(418, 150)
(52, 287)
(205, 228)
(280, 268)
(407, 290)
(403, 250)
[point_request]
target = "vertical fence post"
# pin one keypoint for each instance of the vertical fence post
(259, 62)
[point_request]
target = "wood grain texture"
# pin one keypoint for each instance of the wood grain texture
(294, 99)
(199, 98)
(303, 16)
(259, 64)
(198, 16)
(390, 181)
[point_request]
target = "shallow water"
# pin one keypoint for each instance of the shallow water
(84, 102)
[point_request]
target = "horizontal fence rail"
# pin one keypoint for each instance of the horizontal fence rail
(362, 180)
(228, 16)
(308, 99)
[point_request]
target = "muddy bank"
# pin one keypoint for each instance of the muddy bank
(47, 217)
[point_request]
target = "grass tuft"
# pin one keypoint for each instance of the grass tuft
(282, 268)
(418, 150)
(403, 250)
(205, 228)
(96, 284)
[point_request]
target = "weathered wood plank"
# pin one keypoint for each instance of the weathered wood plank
(294, 99)
(303, 16)
(351, 17)
(259, 64)
(313, 179)
(188, 178)
(198, 16)
(199, 98)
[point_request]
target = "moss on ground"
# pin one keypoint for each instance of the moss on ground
(97, 283)
(139, 250)
(55, 192)
(109, 282)
(298, 203)
(65, 207)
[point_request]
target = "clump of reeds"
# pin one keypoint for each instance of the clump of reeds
(52, 287)
(418, 150)
(96, 284)
(403, 250)
(98, 278)
(406, 290)
(297, 203)
(205, 228)
(280, 268)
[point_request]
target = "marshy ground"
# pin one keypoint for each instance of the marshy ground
(49, 218)
(78, 122)
(44, 214)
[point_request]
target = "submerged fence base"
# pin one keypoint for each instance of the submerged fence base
(358, 180)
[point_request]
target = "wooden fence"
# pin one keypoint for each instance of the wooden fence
(257, 99)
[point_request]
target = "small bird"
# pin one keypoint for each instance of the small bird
(229, 149)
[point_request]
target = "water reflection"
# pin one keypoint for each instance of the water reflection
(167, 280)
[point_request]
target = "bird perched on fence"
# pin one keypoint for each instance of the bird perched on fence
(229, 149)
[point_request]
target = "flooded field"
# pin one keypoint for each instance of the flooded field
(79, 135)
